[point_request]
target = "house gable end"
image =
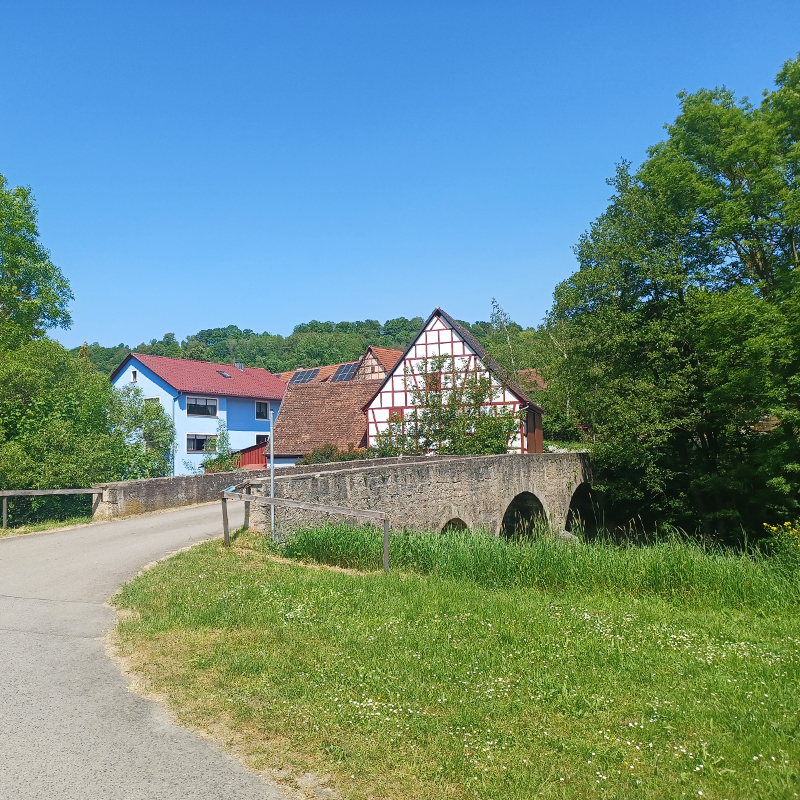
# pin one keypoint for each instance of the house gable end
(144, 372)
(441, 335)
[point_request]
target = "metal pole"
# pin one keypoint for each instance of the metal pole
(225, 532)
(386, 546)
(5, 512)
(247, 511)
(271, 471)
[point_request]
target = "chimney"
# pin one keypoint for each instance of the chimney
(239, 365)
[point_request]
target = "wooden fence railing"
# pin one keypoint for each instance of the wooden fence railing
(6, 493)
(282, 502)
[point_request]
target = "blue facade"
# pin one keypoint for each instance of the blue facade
(239, 413)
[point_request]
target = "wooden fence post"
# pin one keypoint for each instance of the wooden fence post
(247, 511)
(225, 532)
(386, 546)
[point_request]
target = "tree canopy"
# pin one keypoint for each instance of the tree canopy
(675, 348)
(34, 295)
(314, 344)
(311, 344)
(63, 425)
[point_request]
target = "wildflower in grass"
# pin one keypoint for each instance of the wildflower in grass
(784, 541)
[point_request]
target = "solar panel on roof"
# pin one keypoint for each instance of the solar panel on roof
(345, 371)
(304, 376)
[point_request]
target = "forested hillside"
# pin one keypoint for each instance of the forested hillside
(311, 344)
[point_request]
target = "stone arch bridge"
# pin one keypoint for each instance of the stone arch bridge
(496, 493)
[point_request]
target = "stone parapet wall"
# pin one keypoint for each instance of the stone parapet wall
(426, 493)
(126, 498)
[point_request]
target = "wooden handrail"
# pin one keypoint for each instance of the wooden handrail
(6, 493)
(37, 492)
(285, 502)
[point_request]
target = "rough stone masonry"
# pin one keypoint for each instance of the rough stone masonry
(428, 493)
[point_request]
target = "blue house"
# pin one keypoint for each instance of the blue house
(198, 394)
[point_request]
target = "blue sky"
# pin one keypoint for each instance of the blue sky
(264, 164)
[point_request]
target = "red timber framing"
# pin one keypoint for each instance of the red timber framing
(443, 336)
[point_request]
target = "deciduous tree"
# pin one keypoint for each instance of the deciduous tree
(33, 293)
(680, 329)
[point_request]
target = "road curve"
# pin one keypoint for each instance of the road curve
(69, 728)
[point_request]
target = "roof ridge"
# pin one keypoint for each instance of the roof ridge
(193, 361)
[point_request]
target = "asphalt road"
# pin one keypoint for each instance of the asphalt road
(69, 728)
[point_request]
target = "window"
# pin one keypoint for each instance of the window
(262, 438)
(134, 376)
(201, 406)
(199, 443)
(262, 410)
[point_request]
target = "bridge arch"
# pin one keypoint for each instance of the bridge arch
(584, 514)
(523, 514)
(455, 524)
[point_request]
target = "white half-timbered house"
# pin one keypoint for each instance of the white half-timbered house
(441, 335)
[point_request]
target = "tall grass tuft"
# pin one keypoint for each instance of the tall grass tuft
(673, 568)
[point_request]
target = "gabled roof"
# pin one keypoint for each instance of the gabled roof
(479, 350)
(205, 377)
(388, 358)
(316, 414)
(325, 373)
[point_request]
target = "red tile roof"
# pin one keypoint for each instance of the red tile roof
(325, 373)
(387, 357)
(204, 376)
(316, 414)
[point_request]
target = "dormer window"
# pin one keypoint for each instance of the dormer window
(134, 376)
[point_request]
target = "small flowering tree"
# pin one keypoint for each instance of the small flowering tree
(455, 413)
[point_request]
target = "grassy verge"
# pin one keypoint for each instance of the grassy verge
(427, 686)
(674, 569)
(49, 525)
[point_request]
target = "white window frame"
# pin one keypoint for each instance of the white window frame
(134, 376)
(206, 399)
(255, 407)
(205, 436)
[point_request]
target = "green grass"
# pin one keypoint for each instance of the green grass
(413, 685)
(673, 568)
(48, 525)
